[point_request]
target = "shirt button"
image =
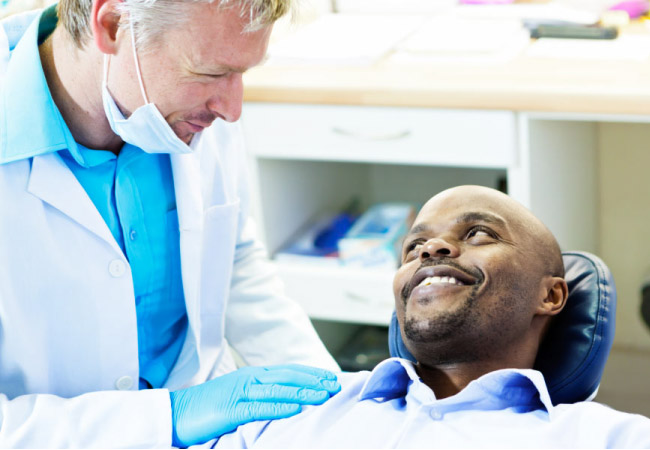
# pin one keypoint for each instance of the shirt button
(124, 383)
(117, 268)
(133, 234)
(435, 414)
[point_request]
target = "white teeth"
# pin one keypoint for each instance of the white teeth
(440, 280)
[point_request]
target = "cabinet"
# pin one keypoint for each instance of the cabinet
(577, 136)
(306, 159)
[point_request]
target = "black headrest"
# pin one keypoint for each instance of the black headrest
(572, 356)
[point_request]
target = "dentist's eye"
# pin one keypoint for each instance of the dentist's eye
(209, 76)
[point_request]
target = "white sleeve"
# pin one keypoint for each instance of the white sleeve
(263, 325)
(107, 419)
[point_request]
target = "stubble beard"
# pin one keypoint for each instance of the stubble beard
(439, 337)
(443, 325)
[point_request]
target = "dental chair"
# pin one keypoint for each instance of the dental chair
(572, 356)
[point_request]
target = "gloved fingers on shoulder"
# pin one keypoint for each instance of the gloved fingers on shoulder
(286, 394)
(249, 411)
(290, 377)
(316, 371)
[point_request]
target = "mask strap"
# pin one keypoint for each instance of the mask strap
(137, 65)
(105, 80)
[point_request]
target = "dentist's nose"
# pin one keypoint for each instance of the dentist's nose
(438, 248)
(227, 103)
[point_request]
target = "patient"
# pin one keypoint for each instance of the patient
(480, 281)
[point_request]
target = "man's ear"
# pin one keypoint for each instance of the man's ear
(557, 292)
(104, 23)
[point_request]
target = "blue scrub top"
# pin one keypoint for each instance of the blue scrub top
(133, 192)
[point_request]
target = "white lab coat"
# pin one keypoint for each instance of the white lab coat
(68, 332)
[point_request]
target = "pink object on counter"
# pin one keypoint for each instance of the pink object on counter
(634, 8)
(485, 2)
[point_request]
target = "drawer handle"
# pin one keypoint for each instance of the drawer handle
(389, 136)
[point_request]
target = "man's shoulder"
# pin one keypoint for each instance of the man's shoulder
(352, 384)
(598, 409)
(353, 381)
(307, 422)
(624, 429)
(16, 168)
(14, 27)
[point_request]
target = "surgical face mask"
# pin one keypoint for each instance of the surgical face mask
(146, 128)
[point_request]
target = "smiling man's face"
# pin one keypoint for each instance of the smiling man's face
(469, 276)
(194, 72)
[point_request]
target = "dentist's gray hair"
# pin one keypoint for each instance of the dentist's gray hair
(151, 18)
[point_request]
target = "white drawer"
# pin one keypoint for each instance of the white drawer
(340, 293)
(416, 136)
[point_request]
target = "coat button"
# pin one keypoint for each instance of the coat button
(124, 383)
(117, 268)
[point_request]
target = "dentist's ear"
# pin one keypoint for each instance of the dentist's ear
(556, 294)
(104, 24)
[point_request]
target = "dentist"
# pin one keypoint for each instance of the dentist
(128, 265)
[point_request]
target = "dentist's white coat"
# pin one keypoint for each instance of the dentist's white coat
(68, 332)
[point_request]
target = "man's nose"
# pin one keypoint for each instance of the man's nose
(438, 248)
(227, 102)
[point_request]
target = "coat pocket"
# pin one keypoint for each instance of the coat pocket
(219, 242)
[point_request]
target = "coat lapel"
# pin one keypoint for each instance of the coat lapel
(189, 204)
(4, 53)
(54, 183)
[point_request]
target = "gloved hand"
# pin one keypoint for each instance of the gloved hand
(206, 411)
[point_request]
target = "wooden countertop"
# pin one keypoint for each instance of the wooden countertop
(522, 84)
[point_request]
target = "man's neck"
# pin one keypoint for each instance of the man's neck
(449, 379)
(74, 77)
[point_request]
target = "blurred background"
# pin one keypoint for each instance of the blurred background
(366, 108)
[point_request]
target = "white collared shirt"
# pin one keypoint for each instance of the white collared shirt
(391, 407)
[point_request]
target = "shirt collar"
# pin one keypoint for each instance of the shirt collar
(30, 122)
(389, 379)
(394, 377)
(88, 158)
(516, 387)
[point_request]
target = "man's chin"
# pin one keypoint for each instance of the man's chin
(185, 131)
(188, 138)
(434, 324)
(184, 136)
(424, 330)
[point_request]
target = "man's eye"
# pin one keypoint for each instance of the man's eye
(412, 246)
(479, 231)
(212, 76)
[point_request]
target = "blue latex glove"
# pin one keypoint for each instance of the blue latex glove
(218, 406)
